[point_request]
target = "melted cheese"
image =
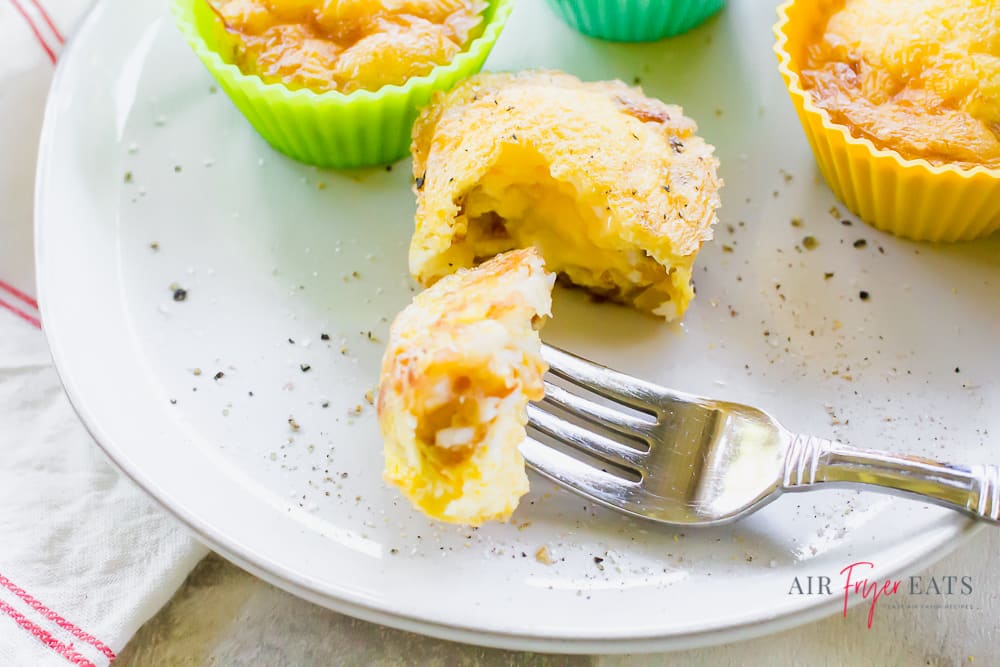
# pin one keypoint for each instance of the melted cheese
(515, 208)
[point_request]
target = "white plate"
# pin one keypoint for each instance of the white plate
(267, 249)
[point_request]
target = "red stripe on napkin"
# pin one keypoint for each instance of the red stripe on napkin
(28, 299)
(34, 29)
(42, 635)
(30, 319)
(56, 618)
(48, 20)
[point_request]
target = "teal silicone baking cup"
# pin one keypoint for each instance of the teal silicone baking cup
(331, 129)
(634, 20)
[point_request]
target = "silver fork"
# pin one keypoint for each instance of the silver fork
(689, 460)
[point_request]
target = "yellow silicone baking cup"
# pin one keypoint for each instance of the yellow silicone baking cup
(910, 198)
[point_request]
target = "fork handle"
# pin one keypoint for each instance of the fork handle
(812, 462)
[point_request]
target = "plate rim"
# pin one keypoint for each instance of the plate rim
(955, 532)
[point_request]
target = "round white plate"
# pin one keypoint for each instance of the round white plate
(149, 178)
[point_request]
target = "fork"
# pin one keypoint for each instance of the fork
(682, 459)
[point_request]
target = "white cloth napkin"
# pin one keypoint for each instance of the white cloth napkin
(85, 556)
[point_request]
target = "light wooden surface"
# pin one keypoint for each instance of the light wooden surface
(223, 616)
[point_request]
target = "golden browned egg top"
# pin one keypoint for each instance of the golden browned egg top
(613, 187)
(347, 45)
(920, 77)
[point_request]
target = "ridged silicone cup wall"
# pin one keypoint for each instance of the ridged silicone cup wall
(331, 129)
(910, 198)
(634, 20)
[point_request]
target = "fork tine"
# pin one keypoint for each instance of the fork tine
(584, 440)
(599, 414)
(599, 379)
(588, 481)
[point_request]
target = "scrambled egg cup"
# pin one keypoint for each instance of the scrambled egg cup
(899, 101)
(347, 45)
(614, 188)
(462, 363)
(920, 78)
(306, 74)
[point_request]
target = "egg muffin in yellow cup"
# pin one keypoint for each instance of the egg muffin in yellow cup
(900, 101)
(338, 83)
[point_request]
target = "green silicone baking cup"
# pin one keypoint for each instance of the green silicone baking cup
(634, 20)
(332, 129)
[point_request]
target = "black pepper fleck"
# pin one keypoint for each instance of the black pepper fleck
(864, 295)
(219, 375)
(860, 243)
(305, 367)
(419, 181)
(180, 294)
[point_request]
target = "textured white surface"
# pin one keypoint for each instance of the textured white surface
(75, 534)
(224, 616)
